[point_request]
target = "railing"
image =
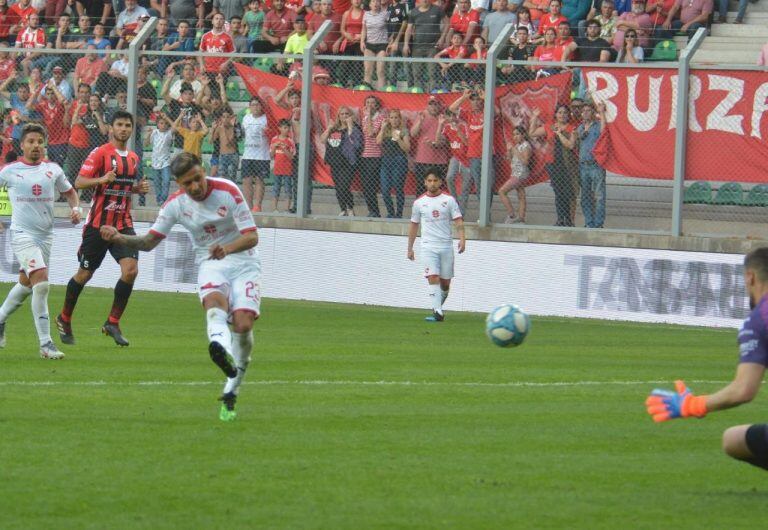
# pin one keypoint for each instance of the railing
(670, 197)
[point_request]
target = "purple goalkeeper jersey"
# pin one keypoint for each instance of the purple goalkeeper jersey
(753, 335)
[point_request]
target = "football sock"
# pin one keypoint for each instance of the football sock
(40, 312)
(218, 329)
(435, 298)
(13, 301)
(242, 344)
(122, 293)
(444, 295)
(70, 299)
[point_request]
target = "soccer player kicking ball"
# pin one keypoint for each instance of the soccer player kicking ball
(32, 183)
(113, 171)
(434, 211)
(224, 237)
(743, 442)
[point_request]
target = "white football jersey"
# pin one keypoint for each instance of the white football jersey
(32, 190)
(219, 218)
(435, 214)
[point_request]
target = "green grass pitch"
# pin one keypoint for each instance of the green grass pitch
(365, 417)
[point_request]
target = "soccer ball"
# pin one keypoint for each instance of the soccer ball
(507, 325)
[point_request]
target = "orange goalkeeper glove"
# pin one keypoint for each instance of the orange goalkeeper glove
(666, 405)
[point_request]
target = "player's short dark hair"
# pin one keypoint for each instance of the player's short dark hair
(30, 128)
(183, 163)
(122, 115)
(434, 170)
(757, 260)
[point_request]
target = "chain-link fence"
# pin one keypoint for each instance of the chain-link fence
(526, 143)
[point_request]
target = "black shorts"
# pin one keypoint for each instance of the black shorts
(376, 48)
(254, 168)
(93, 249)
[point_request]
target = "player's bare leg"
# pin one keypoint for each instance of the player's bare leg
(248, 191)
(242, 345)
(13, 301)
(74, 288)
(258, 194)
(40, 288)
(435, 299)
(748, 443)
(129, 269)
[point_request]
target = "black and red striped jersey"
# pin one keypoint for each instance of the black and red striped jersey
(111, 204)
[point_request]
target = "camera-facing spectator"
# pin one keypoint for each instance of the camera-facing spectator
(520, 49)
(374, 41)
(606, 16)
(278, 26)
(254, 165)
(226, 133)
(397, 22)
(282, 150)
(592, 48)
(19, 14)
(32, 37)
(216, 42)
(253, 19)
(182, 40)
(21, 114)
(160, 138)
(637, 20)
(351, 72)
(343, 141)
(424, 35)
(475, 73)
(171, 90)
(369, 165)
(395, 145)
(193, 135)
(99, 40)
(294, 45)
(427, 153)
(60, 81)
(631, 51)
(591, 174)
(332, 40)
(239, 38)
(454, 133)
(79, 141)
(52, 108)
(453, 73)
(157, 43)
(494, 22)
(465, 21)
(520, 153)
(128, 22)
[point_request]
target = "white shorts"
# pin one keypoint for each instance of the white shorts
(237, 279)
(33, 253)
(437, 262)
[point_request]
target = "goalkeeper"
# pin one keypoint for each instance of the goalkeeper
(743, 442)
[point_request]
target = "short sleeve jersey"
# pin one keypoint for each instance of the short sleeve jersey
(753, 335)
(256, 142)
(219, 218)
(31, 188)
(218, 44)
(475, 125)
(111, 203)
(435, 215)
(458, 147)
(460, 23)
(284, 150)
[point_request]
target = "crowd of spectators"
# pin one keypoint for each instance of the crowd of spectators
(183, 102)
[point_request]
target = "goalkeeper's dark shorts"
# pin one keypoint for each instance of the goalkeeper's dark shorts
(757, 442)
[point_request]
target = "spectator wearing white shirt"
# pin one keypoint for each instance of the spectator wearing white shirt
(161, 140)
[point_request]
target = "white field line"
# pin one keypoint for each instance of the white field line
(471, 384)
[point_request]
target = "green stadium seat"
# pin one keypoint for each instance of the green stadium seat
(757, 196)
(264, 64)
(729, 193)
(207, 147)
(233, 91)
(665, 50)
(698, 193)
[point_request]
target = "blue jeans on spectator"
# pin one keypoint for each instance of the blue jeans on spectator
(162, 181)
(283, 180)
(592, 194)
(455, 167)
(475, 166)
(739, 15)
(392, 175)
(228, 166)
(676, 25)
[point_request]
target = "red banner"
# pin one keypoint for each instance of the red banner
(726, 125)
(514, 104)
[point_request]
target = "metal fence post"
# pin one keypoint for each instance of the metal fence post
(305, 138)
(489, 112)
(681, 132)
(133, 70)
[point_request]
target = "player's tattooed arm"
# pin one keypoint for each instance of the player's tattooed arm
(144, 243)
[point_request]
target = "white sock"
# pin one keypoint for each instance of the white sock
(242, 345)
(443, 295)
(218, 329)
(434, 298)
(13, 301)
(40, 312)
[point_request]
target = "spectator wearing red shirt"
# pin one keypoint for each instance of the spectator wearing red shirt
(565, 41)
(475, 73)
(278, 26)
(88, 68)
(52, 109)
(369, 164)
(427, 153)
(465, 21)
(351, 72)
(6, 20)
(79, 140)
(475, 120)
(454, 133)
(332, 39)
(7, 64)
(553, 18)
(18, 15)
(31, 38)
(283, 150)
(216, 41)
(453, 73)
(548, 51)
